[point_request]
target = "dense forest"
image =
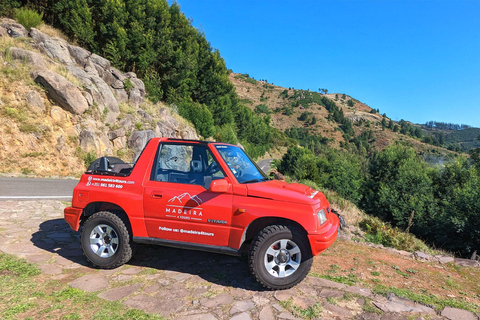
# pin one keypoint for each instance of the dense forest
(438, 204)
(154, 39)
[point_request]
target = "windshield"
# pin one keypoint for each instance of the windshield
(242, 167)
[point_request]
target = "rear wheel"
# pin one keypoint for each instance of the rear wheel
(280, 256)
(106, 241)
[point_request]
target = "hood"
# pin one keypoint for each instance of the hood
(282, 191)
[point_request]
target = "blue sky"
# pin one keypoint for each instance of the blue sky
(413, 60)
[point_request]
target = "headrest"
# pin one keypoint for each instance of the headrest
(196, 166)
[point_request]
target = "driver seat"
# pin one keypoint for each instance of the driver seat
(196, 175)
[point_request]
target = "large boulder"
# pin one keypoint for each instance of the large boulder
(89, 141)
(38, 36)
(33, 58)
(79, 55)
(35, 101)
(108, 99)
(138, 140)
(62, 91)
(13, 28)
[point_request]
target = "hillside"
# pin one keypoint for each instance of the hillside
(62, 106)
(285, 107)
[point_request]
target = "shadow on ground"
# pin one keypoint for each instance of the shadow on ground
(55, 236)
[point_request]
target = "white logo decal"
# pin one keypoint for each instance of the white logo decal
(177, 207)
(189, 197)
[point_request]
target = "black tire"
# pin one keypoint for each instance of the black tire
(280, 268)
(106, 241)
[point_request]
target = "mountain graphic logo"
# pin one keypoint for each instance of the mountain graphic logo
(185, 197)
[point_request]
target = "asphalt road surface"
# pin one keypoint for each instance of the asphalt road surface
(265, 165)
(36, 188)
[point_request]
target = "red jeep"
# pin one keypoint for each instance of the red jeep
(206, 196)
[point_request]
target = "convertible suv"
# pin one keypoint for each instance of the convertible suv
(206, 196)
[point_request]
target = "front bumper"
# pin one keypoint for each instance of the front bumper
(326, 235)
(72, 217)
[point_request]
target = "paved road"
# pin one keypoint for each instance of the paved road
(265, 165)
(36, 188)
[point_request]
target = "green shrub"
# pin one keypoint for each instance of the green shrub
(28, 18)
(261, 108)
(383, 233)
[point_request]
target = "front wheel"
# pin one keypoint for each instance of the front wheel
(280, 257)
(105, 240)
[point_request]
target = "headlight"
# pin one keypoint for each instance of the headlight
(322, 217)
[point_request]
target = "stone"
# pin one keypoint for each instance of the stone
(287, 315)
(329, 293)
(393, 316)
(79, 54)
(58, 114)
(164, 307)
(118, 74)
(120, 292)
(33, 58)
(89, 141)
(146, 117)
(35, 100)
(220, 300)
(37, 35)
(396, 304)
(135, 97)
(164, 129)
(466, 262)
(121, 95)
(138, 141)
(117, 84)
(112, 135)
(242, 316)
(90, 283)
(62, 91)
(359, 290)
(198, 316)
(56, 49)
(107, 98)
(132, 271)
(100, 61)
(444, 259)
(457, 314)
(13, 28)
(152, 288)
(61, 144)
(266, 314)
(284, 295)
(109, 78)
(320, 282)
(422, 256)
(336, 310)
(242, 306)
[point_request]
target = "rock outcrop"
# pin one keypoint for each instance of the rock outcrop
(62, 91)
(87, 107)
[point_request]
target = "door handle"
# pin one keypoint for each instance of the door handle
(156, 194)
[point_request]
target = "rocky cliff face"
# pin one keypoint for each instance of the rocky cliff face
(62, 106)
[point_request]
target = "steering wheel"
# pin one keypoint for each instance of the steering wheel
(212, 168)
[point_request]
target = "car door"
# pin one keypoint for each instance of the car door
(178, 205)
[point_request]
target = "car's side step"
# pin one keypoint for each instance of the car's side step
(188, 245)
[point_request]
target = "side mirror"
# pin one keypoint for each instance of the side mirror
(220, 186)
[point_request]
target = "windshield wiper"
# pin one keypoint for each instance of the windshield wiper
(255, 180)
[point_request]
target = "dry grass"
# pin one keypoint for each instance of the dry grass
(51, 31)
